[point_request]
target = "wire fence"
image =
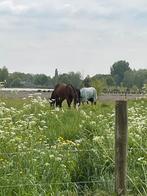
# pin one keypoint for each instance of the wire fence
(53, 183)
(71, 187)
(76, 150)
(71, 150)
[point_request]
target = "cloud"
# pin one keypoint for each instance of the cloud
(107, 18)
(70, 15)
(76, 32)
(9, 7)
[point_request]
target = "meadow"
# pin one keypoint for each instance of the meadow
(46, 151)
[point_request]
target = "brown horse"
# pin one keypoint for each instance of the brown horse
(64, 92)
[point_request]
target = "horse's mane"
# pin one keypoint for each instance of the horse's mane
(54, 91)
(67, 85)
(65, 91)
(56, 86)
(72, 88)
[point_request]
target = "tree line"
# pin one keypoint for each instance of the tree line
(121, 77)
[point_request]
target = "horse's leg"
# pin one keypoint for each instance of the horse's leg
(69, 100)
(57, 102)
(91, 100)
(61, 101)
(60, 104)
(75, 102)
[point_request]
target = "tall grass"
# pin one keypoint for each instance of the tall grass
(46, 151)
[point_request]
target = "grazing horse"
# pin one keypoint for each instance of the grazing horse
(64, 92)
(88, 94)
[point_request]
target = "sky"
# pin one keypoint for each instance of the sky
(87, 36)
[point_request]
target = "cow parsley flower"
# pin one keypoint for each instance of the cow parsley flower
(51, 156)
(140, 158)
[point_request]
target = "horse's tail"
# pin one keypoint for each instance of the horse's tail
(71, 86)
(75, 94)
(95, 94)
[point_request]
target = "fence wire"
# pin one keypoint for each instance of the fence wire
(78, 183)
(64, 150)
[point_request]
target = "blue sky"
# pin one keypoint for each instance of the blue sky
(72, 35)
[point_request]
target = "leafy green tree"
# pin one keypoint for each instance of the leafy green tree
(110, 81)
(99, 85)
(129, 78)
(56, 77)
(144, 88)
(40, 80)
(64, 78)
(4, 74)
(26, 80)
(87, 81)
(140, 78)
(75, 79)
(118, 70)
(69, 78)
(16, 83)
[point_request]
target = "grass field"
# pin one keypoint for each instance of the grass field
(46, 151)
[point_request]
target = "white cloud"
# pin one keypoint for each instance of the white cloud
(10, 7)
(72, 33)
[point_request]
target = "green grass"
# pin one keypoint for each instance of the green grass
(67, 152)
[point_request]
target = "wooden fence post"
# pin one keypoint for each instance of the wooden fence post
(121, 143)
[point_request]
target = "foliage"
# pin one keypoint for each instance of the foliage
(46, 151)
(87, 81)
(56, 77)
(98, 84)
(3, 74)
(135, 78)
(16, 83)
(70, 78)
(121, 76)
(144, 88)
(108, 79)
(40, 79)
(118, 70)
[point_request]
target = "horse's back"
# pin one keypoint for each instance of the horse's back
(62, 92)
(59, 90)
(88, 93)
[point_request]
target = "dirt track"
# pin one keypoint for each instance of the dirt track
(24, 94)
(46, 94)
(115, 97)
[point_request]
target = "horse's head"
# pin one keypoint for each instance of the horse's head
(52, 101)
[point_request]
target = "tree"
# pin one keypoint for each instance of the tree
(64, 78)
(41, 80)
(144, 88)
(140, 78)
(16, 83)
(56, 77)
(3, 74)
(99, 85)
(75, 79)
(129, 77)
(118, 70)
(110, 81)
(87, 81)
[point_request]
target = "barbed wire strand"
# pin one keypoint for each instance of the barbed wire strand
(64, 150)
(54, 183)
(62, 183)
